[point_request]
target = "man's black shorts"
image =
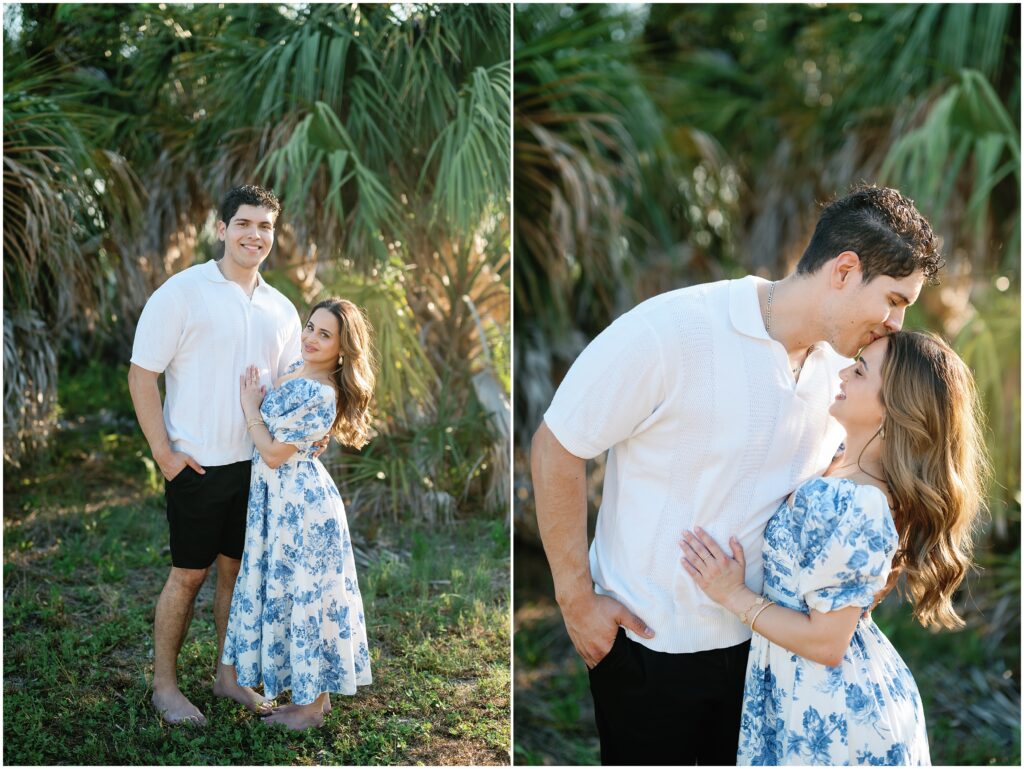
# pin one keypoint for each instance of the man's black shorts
(207, 513)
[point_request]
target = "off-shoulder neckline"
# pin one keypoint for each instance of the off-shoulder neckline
(827, 478)
(307, 379)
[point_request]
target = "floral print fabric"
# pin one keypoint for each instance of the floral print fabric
(296, 615)
(832, 549)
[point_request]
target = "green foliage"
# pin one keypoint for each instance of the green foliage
(429, 470)
(989, 344)
(966, 128)
(469, 160)
(61, 195)
(93, 389)
(664, 145)
(740, 119)
(383, 128)
(406, 382)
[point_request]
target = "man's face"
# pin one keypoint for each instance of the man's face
(859, 313)
(249, 236)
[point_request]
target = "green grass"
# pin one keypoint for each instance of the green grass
(85, 557)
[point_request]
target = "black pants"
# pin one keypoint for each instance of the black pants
(654, 708)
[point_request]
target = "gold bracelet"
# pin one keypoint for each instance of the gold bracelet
(743, 614)
(759, 614)
(250, 425)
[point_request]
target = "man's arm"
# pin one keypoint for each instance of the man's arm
(142, 384)
(560, 493)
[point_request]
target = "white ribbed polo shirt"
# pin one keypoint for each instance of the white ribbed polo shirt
(201, 331)
(704, 426)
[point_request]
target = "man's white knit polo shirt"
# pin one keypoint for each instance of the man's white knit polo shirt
(202, 331)
(704, 426)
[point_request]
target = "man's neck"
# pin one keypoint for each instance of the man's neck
(794, 322)
(246, 279)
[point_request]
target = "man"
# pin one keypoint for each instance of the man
(712, 403)
(201, 329)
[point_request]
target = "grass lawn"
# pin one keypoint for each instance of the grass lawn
(85, 556)
(969, 682)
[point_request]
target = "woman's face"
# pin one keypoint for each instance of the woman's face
(859, 403)
(320, 342)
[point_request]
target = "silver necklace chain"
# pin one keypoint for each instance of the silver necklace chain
(768, 329)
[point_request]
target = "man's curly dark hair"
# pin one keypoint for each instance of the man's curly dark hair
(882, 227)
(248, 195)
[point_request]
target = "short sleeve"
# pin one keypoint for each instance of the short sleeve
(847, 540)
(614, 386)
(299, 412)
(159, 329)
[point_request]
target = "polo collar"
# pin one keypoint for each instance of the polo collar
(212, 272)
(744, 309)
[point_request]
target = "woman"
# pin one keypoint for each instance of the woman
(296, 615)
(823, 685)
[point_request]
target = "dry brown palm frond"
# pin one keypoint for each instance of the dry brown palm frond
(30, 384)
(452, 280)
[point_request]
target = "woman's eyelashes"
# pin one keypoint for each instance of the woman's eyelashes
(323, 334)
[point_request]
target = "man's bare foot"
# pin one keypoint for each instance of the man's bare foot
(297, 717)
(175, 708)
(243, 695)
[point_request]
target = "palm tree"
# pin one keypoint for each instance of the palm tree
(384, 130)
(754, 114)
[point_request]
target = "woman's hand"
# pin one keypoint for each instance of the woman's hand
(718, 575)
(252, 392)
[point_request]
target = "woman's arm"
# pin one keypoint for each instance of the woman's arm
(820, 637)
(273, 452)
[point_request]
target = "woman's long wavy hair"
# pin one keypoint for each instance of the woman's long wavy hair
(936, 465)
(355, 377)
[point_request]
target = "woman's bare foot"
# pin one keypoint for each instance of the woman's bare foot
(175, 708)
(292, 706)
(298, 717)
(243, 695)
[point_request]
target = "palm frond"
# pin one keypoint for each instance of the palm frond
(471, 173)
(964, 128)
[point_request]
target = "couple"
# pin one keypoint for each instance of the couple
(724, 408)
(287, 607)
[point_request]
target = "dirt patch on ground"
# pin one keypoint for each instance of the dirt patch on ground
(443, 750)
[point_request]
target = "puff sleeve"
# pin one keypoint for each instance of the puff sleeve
(299, 412)
(847, 540)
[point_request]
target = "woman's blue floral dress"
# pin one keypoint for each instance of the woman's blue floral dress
(296, 615)
(832, 549)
